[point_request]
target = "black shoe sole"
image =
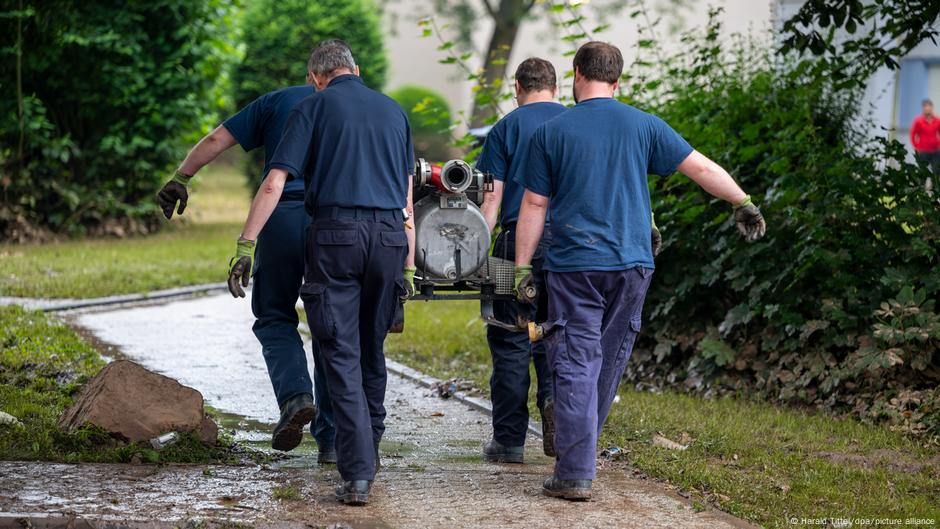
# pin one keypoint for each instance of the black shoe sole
(350, 498)
(548, 430)
(515, 459)
(290, 436)
(328, 458)
(569, 494)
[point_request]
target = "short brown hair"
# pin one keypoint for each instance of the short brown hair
(599, 61)
(536, 74)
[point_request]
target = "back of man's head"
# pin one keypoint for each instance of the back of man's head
(535, 74)
(599, 61)
(329, 56)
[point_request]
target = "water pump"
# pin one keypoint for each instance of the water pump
(452, 240)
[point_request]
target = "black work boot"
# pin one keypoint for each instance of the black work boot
(548, 427)
(494, 452)
(354, 492)
(326, 455)
(296, 414)
(569, 489)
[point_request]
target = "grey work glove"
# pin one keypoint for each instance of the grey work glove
(524, 281)
(174, 190)
(239, 267)
(657, 239)
(409, 276)
(749, 220)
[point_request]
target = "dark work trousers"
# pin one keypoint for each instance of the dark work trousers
(932, 159)
(355, 260)
(509, 383)
(597, 318)
(278, 273)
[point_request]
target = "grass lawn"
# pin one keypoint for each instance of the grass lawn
(757, 461)
(42, 366)
(191, 250)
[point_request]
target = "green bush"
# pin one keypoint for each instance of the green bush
(110, 92)
(430, 118)
(837, 306)
(279, 35)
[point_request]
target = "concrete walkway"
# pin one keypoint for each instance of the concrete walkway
(432, 475)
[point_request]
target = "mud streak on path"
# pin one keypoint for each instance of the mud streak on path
(432, 475)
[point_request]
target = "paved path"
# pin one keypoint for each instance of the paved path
(432, 475)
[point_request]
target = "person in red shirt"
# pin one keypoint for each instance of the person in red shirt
(925, 136)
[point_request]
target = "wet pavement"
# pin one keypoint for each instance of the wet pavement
(432, 474)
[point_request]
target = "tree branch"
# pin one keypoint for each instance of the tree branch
(489, 8)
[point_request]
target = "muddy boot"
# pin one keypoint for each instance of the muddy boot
(493, 452)
(296, 414)
(548, 428)
(569, 489)
(326, 455)
(354, 492)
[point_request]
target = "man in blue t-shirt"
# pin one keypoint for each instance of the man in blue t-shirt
(587, 168)
(278, 269)
(352, 145)
(504, 156)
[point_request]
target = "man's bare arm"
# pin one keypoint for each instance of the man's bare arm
(265, 201)
(530, 226)
(712, 178)
(207, 150)
(410, 224)
(491, 202)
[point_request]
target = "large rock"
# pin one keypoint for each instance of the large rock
(136, 404)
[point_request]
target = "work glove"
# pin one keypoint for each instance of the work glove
(239, 267)
(657, 239)
(749, 220)
(409, 283)
(524, 283)
(174, 190)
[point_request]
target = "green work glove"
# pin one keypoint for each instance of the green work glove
(239, 267)
(409, 282)
(657, 238)
(174, 190)
(524, 283)
(749, 220)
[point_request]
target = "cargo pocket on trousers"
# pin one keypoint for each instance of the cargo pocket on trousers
(626, 349)
(556, 342)
(319, 314)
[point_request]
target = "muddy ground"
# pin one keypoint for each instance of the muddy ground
(432, 472)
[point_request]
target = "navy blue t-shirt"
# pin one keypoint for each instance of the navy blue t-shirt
(262, 122)
(592, 162)
(351, 144)
(506, 151)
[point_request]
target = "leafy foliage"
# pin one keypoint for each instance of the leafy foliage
(430, 118)
(109, 92)
(280, 34)
(836, 306)
(873, 33)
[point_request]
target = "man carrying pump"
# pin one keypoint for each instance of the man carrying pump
(352, 146)
(587, 169)
(504, 156)
(278, 269)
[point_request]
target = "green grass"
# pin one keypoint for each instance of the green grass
(286, 493)
(752, 459)
(42, 366)
(191, 250)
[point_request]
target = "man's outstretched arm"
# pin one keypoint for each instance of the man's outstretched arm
(262, 207)
(207, 150)
(718, 183)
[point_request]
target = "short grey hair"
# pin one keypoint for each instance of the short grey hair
(331, 55)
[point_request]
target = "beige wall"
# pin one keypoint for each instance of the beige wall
(414, 58)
